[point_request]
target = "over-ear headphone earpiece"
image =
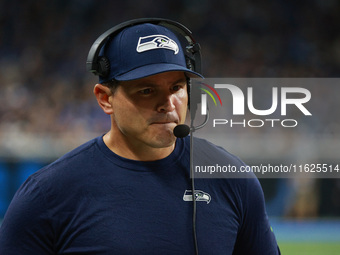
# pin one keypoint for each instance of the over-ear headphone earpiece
(103, 66)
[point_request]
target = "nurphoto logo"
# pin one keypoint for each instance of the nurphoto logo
(242, 104)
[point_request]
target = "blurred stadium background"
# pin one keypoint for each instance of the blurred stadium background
(47, 107)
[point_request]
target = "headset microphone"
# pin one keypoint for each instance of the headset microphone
(181, 130)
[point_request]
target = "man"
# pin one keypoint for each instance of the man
(126, 192)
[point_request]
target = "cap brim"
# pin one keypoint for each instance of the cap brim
(153, 69)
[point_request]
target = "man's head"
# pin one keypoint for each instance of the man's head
(144, 90)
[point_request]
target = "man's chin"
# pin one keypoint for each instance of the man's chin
(163, 139)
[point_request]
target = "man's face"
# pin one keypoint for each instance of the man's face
(145, 111)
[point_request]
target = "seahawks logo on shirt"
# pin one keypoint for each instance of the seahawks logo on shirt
(199, 196)
(153, 42)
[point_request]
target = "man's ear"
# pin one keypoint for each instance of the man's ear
(103, 94)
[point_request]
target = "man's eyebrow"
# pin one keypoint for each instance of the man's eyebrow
(144, 84)
(180, 81)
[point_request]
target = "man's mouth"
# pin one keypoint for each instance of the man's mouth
(164, 122)
(168, 124)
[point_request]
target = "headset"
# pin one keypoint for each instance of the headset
(100, 65)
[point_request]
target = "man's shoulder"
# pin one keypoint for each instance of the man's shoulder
(80, 151)
(72, 161)
(213, 161)
(206, 150)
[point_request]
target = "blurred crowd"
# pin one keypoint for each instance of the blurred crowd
(43, 48)
(47, 105)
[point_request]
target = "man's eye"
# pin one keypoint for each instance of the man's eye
(176, 87)
(145, 91)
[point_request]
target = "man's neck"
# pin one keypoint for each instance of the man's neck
(135, 151)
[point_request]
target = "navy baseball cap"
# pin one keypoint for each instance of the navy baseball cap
(143, 50)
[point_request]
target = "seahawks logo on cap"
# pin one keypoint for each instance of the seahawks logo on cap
(153, 42)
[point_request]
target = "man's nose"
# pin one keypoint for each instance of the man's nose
(166, 103)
